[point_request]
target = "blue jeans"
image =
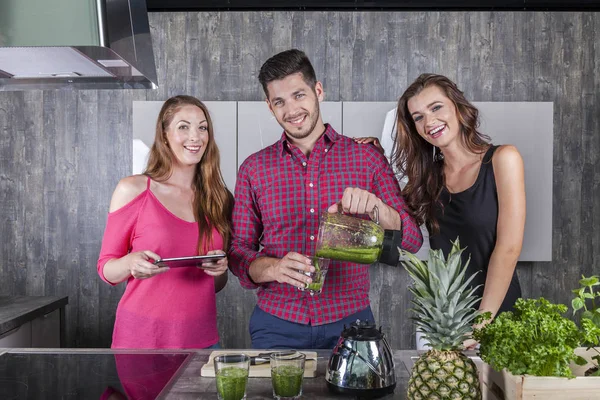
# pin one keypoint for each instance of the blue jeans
(270, 332)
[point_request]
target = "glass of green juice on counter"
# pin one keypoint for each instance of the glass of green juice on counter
(318, 277)
(287, 372)
(231, 372)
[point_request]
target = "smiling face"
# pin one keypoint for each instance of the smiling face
(295, 106)
(434, 116)
(187, 135)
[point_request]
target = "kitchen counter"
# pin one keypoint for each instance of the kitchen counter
(18, 310)
(172, 375)
(191, 386)
(32, 321)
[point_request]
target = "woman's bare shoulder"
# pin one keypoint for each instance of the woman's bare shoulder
(507, 152)
(128, 189)
(507, 162)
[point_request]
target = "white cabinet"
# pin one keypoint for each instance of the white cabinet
(245, 127)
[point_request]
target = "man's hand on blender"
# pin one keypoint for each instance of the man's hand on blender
(359, 201)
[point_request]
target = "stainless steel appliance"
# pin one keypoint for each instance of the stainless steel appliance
(75, 44)
(362, 363)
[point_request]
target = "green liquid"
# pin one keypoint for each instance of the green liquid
(361, 256)
(317, 279)
(315, 286)
(231, 383)
(287, 380)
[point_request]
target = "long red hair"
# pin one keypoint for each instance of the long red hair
(213, 202)
(413, 155)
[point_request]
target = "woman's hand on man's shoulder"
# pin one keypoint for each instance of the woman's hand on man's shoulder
(127, 189)
(370, 140)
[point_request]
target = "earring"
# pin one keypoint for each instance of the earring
(437, 157)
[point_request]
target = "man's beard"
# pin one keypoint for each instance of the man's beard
(313, 123)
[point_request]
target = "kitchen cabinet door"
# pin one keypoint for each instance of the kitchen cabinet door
(18, 337)
(45, 330)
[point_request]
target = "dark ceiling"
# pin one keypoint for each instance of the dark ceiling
(381, 5)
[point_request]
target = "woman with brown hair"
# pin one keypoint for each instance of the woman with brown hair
(179, 207)
(460, 185)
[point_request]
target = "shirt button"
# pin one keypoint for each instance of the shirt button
(312, 210)
(304, 164)
(312, 237)
(326, 150)
(311, 184)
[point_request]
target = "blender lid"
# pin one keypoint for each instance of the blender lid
(362, 331)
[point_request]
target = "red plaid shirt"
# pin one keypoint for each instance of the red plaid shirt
(278, 198)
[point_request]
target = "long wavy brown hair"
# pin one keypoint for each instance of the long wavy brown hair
(413, 155)
(213, 202)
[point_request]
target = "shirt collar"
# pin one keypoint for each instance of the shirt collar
(330, 136)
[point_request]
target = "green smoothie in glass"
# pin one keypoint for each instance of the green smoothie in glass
(287, 381)
(318, 277)
(231, 383)
(231, 373)
(287, 372)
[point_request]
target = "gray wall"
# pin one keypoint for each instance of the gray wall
(62, 153)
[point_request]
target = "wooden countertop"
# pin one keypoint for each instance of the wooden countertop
(18, 310)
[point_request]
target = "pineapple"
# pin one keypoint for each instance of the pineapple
(443, 311)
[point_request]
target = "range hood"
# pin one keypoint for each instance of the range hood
(79, 44)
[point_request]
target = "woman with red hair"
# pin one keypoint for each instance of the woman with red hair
(179, 207)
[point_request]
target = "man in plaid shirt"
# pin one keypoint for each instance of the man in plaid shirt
(280, 192)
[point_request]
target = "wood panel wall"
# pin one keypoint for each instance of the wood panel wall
(62, 152)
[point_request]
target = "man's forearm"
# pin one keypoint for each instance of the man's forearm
(388, 217)
(259, 269)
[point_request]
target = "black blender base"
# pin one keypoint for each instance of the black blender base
(361, 393)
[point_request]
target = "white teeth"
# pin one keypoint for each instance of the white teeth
(297, 121)
(436, 130)
(192, 148)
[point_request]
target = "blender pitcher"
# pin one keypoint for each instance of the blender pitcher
(345, 238)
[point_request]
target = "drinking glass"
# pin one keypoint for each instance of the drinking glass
(287, 372)
(231, 372)
(318, 277)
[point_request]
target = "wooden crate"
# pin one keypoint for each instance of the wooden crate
(506, 386)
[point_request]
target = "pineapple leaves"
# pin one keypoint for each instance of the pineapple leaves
(455, 247)
(443, 299)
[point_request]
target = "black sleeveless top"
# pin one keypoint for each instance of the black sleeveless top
(472, 215)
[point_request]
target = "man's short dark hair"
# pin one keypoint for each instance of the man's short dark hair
(284, 64)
